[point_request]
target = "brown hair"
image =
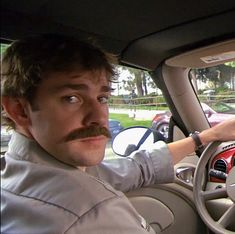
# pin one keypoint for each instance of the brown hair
(26, 60)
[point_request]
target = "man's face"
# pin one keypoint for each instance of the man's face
(72, 109)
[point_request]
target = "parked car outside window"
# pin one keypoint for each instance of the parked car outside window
(114, 127)
(161, 121)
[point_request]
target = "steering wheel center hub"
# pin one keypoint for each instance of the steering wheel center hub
(230, 184)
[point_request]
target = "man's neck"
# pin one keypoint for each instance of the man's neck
(24, 132)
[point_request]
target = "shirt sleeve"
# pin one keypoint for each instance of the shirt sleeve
(142, 168)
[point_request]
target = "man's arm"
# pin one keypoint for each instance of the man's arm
(152, 166)
(142, 168)
(224, 131)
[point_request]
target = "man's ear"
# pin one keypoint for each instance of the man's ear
(16, 110)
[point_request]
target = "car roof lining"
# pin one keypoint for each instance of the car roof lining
(208, 56)
(154, 52)
(140, 33)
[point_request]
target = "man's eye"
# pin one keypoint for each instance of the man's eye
(103, 100)
(72, 99)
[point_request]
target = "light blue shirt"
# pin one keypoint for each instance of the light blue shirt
(43, 195)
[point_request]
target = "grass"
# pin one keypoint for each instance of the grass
(126, 121)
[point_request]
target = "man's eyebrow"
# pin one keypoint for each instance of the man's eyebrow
(70, 86)
(106, 89)
(85, 87)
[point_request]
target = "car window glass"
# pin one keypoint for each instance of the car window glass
(215, 88)
(135, 101)
(5, 133)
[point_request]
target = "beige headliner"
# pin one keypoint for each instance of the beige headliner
(205, 57)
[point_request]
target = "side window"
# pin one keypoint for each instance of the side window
(5, 134)
(215, 87)
(135, 101)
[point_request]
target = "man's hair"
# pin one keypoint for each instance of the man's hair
(26, 61)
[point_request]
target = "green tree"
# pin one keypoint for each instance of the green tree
(139, 80)
(231, 71)
(222, 75)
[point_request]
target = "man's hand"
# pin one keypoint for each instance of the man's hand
(224, 131)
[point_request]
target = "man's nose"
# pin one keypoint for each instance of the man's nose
(96, 114)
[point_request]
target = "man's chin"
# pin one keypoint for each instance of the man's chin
(91, 157)
(89, 162)
(82, 154)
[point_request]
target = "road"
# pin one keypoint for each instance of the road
(137, 114)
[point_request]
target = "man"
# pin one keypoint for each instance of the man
(54, 94)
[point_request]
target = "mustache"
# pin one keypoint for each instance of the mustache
(91, 131)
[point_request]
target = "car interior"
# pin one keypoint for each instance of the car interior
(167, 39)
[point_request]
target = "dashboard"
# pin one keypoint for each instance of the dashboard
(222, 162)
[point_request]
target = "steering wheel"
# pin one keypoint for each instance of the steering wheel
(201, 196)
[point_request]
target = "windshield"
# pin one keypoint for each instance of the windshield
(215, 88)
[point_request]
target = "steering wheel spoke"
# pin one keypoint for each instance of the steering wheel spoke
(214, 194)
(228, 217)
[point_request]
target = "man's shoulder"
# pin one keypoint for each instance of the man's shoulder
(72, 190)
